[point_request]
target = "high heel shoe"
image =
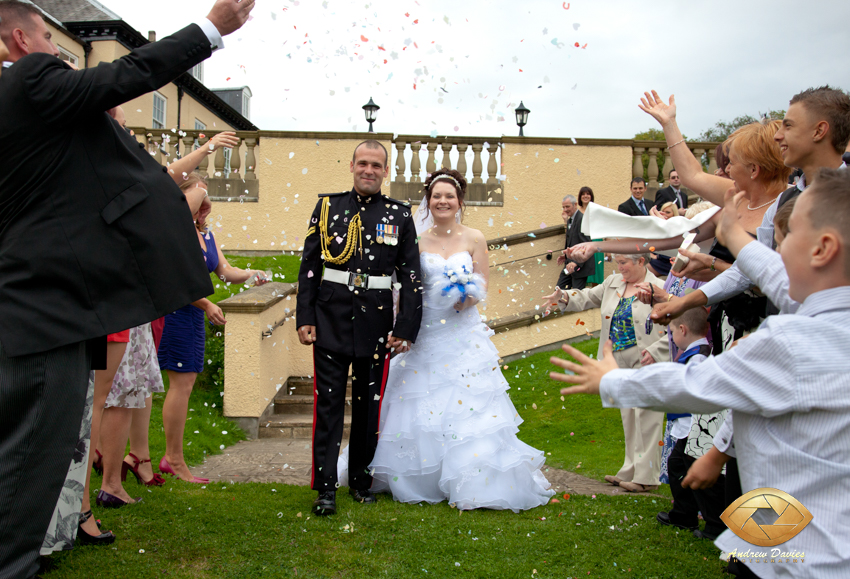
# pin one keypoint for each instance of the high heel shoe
(166, 468)
(156, 481)
(106, 538)
(106, 500)
(97, 465)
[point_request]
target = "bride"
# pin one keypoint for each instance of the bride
(448, 427)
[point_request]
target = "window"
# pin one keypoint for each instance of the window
(68, 57)
(198, 72)
(159, 103)
(246, 105)
(199, 126)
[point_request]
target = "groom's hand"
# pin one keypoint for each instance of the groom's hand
(307, 335)
(228, 16)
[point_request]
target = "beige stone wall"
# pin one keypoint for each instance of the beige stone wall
(288, 195)
(255, 368)
(544, 332)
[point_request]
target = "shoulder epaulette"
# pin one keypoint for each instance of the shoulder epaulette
(390, 199)
(333, 194)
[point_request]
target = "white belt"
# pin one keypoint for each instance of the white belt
(358, 280)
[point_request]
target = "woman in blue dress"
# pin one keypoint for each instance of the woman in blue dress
(181, 351)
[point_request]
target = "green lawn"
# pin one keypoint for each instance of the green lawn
(250, 529)
(284, 268)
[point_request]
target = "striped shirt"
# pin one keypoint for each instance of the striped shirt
(789, 387)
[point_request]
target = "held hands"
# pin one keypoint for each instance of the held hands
(655, 107)
(226, 139)
(307, 335)
(586, 375)
(398, 345)
(215, 315)
(650, 293)
(582, 251)
(228, 16)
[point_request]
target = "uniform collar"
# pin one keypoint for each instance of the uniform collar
(366, 199)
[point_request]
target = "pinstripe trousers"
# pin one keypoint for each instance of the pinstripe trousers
(42, 397)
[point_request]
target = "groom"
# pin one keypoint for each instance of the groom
(355, 242)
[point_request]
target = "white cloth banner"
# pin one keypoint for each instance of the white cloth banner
(602, 223)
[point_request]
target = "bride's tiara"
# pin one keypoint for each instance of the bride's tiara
(445, 177)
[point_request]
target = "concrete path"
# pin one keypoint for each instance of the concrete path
(287, 460)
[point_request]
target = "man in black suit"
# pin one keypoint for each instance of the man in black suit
(673, 192)
(573, 274)
(95, 237)
(635, 205)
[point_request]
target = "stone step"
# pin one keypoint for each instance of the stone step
(299, 404)
(294, 426)
(302, 387)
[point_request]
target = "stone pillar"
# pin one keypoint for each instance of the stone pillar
(712, 161)
(637, 165)
(447, 160)
(652, 171)
(431, 163)
(477, 167)
(157, 148)
(415, 163)
(250, 159)
(492, 166)
(202, 167)
(461, 159)
(218, 163)
(236, 161)
(400, 166)
(668, 165)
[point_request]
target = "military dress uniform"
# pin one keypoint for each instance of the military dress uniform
(353, 246)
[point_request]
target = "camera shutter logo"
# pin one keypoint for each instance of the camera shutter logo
(792, 517)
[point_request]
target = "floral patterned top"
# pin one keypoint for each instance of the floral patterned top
(623, 325)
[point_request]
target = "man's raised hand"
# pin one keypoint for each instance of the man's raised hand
(586, 375)
(228, 16)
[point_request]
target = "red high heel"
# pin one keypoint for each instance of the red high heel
(97, 465)
(156, 481)
(165, 467)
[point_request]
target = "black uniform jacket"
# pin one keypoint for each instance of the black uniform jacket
(95, 237)
(352, 321)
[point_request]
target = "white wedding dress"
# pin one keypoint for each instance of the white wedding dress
(448, 427)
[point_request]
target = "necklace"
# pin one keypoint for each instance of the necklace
(760, 206)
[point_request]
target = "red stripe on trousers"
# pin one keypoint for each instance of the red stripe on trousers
(313, 438)
(383, 385)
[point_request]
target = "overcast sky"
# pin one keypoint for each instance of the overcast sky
(460, 67)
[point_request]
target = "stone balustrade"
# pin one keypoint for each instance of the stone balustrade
(466, 155)
(654, 148)
(226, 179)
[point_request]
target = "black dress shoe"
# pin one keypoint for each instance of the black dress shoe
(84, 538)
(325, 504)
(366, 497)
(664, 518)
(705, 535)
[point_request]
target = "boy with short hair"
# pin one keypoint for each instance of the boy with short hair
(788, 385)
(695, 436)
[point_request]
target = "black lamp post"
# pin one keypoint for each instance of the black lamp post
(371, 113)
(521, 117)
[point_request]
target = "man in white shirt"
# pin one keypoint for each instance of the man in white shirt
(788, 384)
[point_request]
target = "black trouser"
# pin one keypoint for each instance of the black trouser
(687, 502)
(568, 281)
(733, 482)
(42, 397)
(369, 377)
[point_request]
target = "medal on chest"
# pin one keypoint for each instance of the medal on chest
(387, 234)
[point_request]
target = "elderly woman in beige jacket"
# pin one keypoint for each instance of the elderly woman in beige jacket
(624, 322)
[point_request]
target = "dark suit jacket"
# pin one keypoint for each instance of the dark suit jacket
(629, 207)
(574, 237)
(95, 237)
(667, 194)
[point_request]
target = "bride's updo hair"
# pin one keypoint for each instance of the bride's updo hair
(449, 176)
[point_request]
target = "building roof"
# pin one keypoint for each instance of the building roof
(77, 10)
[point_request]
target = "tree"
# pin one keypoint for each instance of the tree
(721, 130)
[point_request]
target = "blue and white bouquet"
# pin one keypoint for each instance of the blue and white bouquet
(462, 283)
